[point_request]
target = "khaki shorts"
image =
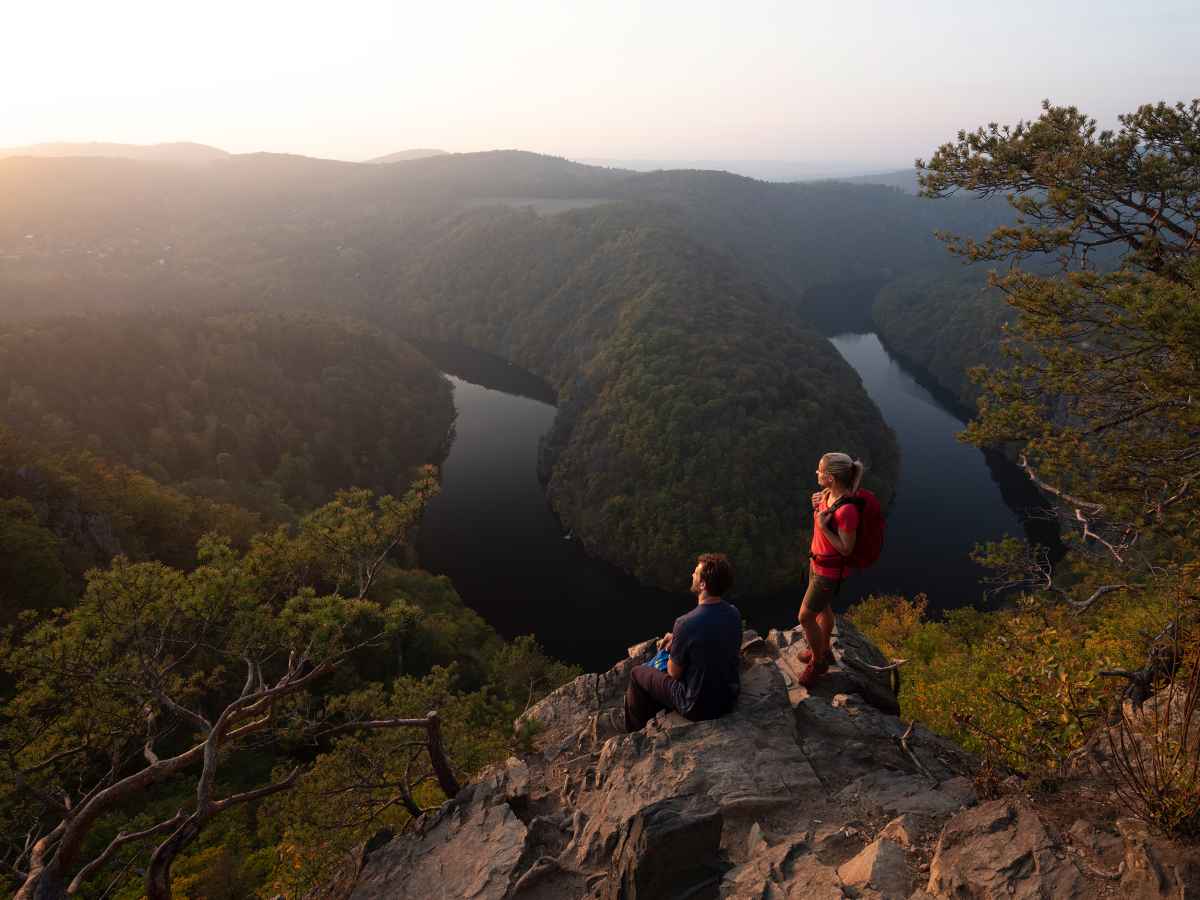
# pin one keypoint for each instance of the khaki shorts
(820, 592)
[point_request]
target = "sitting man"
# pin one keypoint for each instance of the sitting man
(703, 674)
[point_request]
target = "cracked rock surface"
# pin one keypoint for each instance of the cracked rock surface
(796, 793)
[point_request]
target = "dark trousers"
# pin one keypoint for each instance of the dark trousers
(649, 692)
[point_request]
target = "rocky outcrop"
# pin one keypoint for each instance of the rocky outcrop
(796, 793)
(1003, 849)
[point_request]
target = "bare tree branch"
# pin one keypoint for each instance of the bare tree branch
(117, 843)
(256, 794)
(1103, 590)
(46, 763)
(1094, 508)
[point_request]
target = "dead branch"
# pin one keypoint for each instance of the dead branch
(258, 793)
(46, 763)
(1082, 860)
(1085, 511)
(1163, 659)
(1089, 532)
(183, 712)
(1094, 508)
(893, 666)
(117, 843)
(1084, 605)
(903, 742)
(374, 723)
(437, 755)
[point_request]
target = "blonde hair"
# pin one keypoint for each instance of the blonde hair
(847, 471)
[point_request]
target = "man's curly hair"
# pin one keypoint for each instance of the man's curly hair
(716, 571)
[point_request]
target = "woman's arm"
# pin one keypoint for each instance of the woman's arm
(842, 540)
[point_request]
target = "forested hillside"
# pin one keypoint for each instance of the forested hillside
(271, 412)
(945, 324)
(692, 407)
(263, 228)
(795, 238)
(64, 512)
(642, 311)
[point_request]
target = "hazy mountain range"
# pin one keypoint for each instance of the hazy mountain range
(191, 153)
(406, 155)
(179, 152)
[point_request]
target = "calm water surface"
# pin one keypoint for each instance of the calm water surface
(492, 532)
(950, 497)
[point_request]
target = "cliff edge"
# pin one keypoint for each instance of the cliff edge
(797, 793)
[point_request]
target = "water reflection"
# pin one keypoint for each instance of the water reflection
(491, 530)
(947, 500)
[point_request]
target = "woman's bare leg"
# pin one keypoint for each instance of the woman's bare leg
(816, 617)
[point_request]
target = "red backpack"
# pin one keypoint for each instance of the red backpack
(872, 528)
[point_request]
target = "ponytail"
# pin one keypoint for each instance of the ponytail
(859, 470)
(849, 472)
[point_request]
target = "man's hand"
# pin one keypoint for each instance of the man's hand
(816, 499)
(665, 642)
(827, 521)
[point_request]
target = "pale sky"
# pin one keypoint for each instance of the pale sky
(869, 84)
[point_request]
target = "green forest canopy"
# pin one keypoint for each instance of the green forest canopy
(271, 412)
(603, 302)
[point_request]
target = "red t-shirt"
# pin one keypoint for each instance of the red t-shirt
(845, 519)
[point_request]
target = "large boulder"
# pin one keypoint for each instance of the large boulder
(790, 869)
(1003, 849)
(882, 867)
(469, 851)
(668, 848)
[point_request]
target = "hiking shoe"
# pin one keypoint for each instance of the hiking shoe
(812, 672)
(805, 656)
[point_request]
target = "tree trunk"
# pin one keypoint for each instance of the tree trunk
(437, 755)
(158, 874)
(46, 883)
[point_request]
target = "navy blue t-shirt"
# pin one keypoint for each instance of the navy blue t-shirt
(707, 643)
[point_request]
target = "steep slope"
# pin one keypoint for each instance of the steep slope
(273, 412)
(797, 238)
(945, 324)
(64, 513)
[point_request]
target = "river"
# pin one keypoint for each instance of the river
(492, 532)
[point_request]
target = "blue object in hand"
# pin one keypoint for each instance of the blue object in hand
(660, 660)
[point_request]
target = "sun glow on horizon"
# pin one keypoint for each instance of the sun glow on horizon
(704, 80)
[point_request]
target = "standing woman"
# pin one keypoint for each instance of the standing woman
(835, 530)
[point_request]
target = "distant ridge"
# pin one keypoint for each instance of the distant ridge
(405, 155)
(904, 179)
(181, 152)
